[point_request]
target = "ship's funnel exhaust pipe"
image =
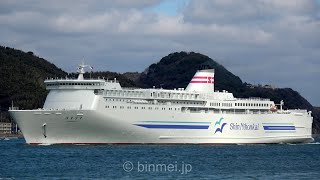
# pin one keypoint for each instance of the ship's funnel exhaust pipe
(202, 81)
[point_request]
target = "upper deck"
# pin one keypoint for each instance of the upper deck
(199, 93)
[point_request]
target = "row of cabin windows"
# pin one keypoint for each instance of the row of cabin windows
(253, 104)
(174, 102)
(124, 100)
(169, 95)
(240, 104)
(124, 93)
(179, 102)
(149, 108)
(221, 104)
(73, 84)
(141, 94)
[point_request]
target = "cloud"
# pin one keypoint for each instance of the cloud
(262, 41)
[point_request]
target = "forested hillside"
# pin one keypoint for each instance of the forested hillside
(21, 78)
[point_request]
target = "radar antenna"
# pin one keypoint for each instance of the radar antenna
(81, 70)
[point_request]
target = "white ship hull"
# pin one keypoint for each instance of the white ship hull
(137, 126)
(98, 111)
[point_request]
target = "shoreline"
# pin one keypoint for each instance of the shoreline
(11, 136)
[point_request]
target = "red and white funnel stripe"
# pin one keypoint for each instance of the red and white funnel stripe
(202, 81)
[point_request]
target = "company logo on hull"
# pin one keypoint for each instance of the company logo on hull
(218, 126)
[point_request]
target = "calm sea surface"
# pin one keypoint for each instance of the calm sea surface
(283, 161)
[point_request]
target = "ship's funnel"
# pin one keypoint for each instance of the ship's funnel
(202, 81)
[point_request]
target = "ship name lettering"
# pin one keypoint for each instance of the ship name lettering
(244, 126)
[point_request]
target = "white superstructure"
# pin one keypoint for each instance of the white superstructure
(89, 111)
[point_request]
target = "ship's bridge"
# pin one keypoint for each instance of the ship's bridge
(77, 93)
(93, 84)
(81, 83)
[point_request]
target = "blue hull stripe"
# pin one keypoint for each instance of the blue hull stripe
(279, 127)
(170, 126)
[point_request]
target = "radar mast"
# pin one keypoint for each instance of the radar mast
(81, 70)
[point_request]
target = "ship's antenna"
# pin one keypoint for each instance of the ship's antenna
(281, 105)
(81, 70)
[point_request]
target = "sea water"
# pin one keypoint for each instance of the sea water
(278, 161)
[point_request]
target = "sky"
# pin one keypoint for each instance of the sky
(273, 42)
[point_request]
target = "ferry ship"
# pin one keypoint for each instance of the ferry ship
(94, 111)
